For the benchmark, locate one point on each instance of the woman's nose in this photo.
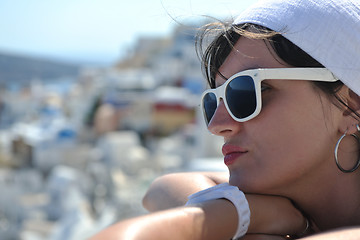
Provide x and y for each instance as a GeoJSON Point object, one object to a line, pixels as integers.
{"type": "Point", "coordinates": [222, 124]}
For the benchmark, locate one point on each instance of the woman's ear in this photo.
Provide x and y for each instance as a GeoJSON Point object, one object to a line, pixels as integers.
{"type": "Point", "coordinates": [352, 111]}
{"type": "Point", "coordinates": [353, 102]}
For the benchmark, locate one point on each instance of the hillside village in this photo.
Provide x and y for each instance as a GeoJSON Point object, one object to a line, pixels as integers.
{"type": "Point", "coordinates": [78, 149]}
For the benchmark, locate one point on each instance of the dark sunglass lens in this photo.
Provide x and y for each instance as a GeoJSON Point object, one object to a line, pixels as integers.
{"type": "Point", "coordinates": [241, 96]}
{"type": "Point", "coordinates": [210, 105]}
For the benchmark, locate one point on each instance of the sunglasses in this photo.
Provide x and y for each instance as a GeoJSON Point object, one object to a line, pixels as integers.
{"type": "Point", "coordinates": [241, 93]}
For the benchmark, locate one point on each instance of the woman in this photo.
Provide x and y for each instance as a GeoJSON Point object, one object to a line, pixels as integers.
{"type": "Point", "coordinates": [285, 79]}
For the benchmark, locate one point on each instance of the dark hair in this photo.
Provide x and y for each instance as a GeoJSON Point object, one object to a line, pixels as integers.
{"type": "Point", "coordinates": [214, 54]}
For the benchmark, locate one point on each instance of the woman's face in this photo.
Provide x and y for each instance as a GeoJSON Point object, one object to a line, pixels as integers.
{"type": "Point", "coordinates": [289, 142]}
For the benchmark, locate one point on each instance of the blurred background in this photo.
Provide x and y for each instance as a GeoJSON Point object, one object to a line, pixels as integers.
{"type": "Point", "coordinates": [97, 99]}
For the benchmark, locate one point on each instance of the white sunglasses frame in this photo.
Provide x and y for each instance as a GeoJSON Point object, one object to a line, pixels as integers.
{"type": "Point", "coordinates": [260, 74]}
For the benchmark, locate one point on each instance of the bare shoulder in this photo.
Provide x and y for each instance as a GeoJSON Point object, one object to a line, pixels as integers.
{"type": "Point", "coordinates": [172, 190]}
{"type": "Point", "coordinates": [216, 177]}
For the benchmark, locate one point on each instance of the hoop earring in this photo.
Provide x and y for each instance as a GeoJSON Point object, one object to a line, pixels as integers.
{"type": "Point", "coordinates": [336, 155]}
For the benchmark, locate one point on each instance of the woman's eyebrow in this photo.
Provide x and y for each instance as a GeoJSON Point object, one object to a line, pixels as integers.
{"type": "Point", "coordinates": [250, 68]}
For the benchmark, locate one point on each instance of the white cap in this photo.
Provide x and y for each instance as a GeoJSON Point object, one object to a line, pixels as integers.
{"type": "Point", "coordinates": [328, 30]}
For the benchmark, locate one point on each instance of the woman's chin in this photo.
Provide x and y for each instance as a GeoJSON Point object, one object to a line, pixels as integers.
{"type": "Point", "coordinates": [247, 185]}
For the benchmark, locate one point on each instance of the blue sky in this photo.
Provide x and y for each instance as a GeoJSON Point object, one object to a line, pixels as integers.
{"type": "Point", "coordinates": [96, 30]}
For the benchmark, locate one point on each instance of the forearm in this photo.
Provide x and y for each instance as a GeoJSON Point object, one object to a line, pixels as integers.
{"type": "Point", "coordinates": [171, 190]}
{"type": "Point", "coordinates": [348, 234]}
{"type": "Point", "coordinates": [213, 219]}
{"type": "Point", "coordinates": [216, 219]}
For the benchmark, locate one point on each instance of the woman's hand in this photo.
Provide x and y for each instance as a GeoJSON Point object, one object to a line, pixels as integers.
{"type": "Point", "coordinates": [262, 237]}
{"type": "Point", "coordinates": [274, 215]}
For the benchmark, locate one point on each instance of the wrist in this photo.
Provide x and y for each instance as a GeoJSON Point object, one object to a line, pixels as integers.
{"type": "Point", "coordinates": [216, 219]}
{"type": "Point", "coordinates": [232, 194]}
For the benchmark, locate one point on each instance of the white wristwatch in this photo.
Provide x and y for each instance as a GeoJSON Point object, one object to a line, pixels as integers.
{"type": "Point", "coordinates": [234, 195]}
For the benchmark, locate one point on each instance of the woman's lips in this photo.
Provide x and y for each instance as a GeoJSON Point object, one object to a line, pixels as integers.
{"type": "Point", "coordinates": [232, 153]}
